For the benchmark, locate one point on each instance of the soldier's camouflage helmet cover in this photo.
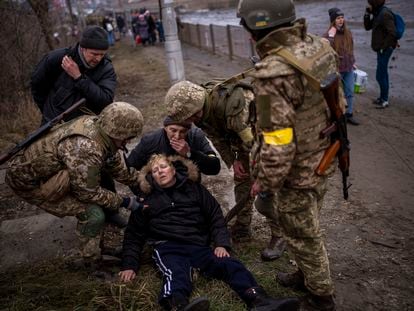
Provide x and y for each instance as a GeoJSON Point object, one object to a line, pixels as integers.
{"type": "Point", "coordinates": [262, 14]}
{"type": "Point", "coordinates": [121, 121]}
{"type": "Point", "coordinates": [184, 99]}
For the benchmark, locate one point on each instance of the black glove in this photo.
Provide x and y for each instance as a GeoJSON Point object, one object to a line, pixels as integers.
{"type": "Point", "coordinates": [132, 204]}
{"type": "Point", "coordinates": [265, 195]}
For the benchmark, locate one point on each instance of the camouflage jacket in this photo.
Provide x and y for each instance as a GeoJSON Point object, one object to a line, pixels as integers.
{"type": "Point", "coordinates": [225, 119]}
{"type": "Point", "coordinates": [289, 113]}
{"type": "Point", "coordinates": [80, 147]}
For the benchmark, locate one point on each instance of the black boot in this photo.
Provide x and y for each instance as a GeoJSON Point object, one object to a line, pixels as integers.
{"type": "Point", "coordinates": [198, 304]}
{"type": "Point", "coordinates": [350, 119]}
{"type": "Point", "coordinates": [274, 250]}
{"type": "Point", "coordinates": [313, 302]}
{"type": "Point", "coordinates": [295, 280]}
{"type": "Point", "coordinates": [257, 299]}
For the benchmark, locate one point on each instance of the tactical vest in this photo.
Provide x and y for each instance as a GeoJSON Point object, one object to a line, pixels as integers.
{"type": "Point", "coordinates": [319, 60]}
{"type": "Point", "coordinates": [42, 154]}
{"type": "Point", "coordinates": [312, 114]}
{"type": "Point", "coordinates": [223, 101]}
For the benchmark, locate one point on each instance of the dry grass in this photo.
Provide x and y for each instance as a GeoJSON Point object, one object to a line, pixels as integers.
{"type": "Point", "coordinates": [53, 286]}
{"type": "Point", "coordinates": [17, 121]}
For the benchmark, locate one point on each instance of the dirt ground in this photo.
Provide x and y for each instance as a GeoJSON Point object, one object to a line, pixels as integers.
{"type": "Point", "coordinates": [369, 238]}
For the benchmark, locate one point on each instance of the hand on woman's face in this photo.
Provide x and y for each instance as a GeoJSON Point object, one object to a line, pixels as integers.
{"type": "Point", "coordinates": [163, 173]}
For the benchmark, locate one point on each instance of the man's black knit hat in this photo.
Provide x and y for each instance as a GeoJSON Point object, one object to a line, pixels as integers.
{"type": "Point", "coordinates": [170, 121]}
{"type": "Point", "coordinates": [94, 37]}
{"type": "Point", "coordinates": [334, 13]}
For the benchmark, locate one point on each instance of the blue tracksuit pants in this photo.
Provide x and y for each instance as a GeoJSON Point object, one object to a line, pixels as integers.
{"type": "Point", "coordinates": [175, 261]}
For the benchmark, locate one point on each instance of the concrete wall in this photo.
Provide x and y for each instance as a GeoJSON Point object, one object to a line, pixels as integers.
{"type": "Point", "coordinates": [189, 5]}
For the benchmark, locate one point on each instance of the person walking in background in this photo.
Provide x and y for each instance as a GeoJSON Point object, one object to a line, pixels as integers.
{"type": "Point", "coordinates": [342, 42]}
{"type": "Point", "coordinates": [142, 26]}
{"type": "Point", "coordinates": [151, 28]}
{"type": "Point", "coordinates": [160, 30]}
{"type": "Point", "coordinates": [120, 23]}
{"type": "Point", "coordinates": [109, 27]}
{"type": "Point", "coordinates": [380, 20]}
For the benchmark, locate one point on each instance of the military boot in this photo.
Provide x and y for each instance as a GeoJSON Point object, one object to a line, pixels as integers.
{"type": "Point", "coordinates": [313, 302]}
{"type": "Point", "coordinates": [274, 249]}
{"type": "Point", "coordinates": [295, 280]}
{"type": "Point", "coordinates": [257, 299]}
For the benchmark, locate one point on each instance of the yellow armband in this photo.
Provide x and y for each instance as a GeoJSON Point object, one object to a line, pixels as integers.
{"type": "Point", "coordinates": [246, 135]}
{"type": "Point", "coordinates": [279, 137]}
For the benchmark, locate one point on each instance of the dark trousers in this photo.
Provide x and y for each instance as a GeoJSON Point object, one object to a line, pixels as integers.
{"type": "Point", "coordinates": [383, 59]}
{"type": "Point", "coordinates": [176, 260]}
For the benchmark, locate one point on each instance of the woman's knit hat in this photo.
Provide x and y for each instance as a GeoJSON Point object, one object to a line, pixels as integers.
{"type": "Point", "coordinates": [334, 13]}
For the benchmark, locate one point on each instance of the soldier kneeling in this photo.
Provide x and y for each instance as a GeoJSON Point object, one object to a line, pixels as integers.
{"type": "Point", "coordinates": [60, 172]}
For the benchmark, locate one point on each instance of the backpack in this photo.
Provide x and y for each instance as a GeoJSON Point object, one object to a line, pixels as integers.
{"type": "Point", "coordinates": [399, 24]}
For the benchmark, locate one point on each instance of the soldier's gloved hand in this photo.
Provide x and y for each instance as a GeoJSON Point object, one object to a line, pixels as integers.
{"type": "Point", "coordinates": [132, 204]}
{"type": "Point", "coordinates": [265, 195]}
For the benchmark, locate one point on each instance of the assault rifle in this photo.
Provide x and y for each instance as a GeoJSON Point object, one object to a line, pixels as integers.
{"type": "Point", "coordinates": [337, 131]}
{"type": "Point", "coordinates": [40, 132]}
{"type": "Point", "coordinates": [237, 208]}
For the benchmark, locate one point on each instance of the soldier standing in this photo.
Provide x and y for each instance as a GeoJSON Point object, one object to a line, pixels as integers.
{"type": "Point", "coordinates": [60, 172]}
{"type": "Point", "coordinates": [290, 114]}
{"type": "Point", "coordinates": [221, 110]}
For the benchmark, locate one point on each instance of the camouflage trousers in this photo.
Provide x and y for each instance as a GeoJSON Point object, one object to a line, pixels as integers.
{"type": "Point", "coordinates": [54, 197]}
{"type": "Point", "coordinates": [242, 194]}
{"type": "Point", "coordinates": [299, 218]}
{"type": "Point", "coordinates": [268, 208]}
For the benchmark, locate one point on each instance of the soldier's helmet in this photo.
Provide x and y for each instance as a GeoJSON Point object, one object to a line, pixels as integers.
{"type": "Point", "coordinates": [184, 99]}
{"type": "Point", "coordinates": [263, 14]}
{"type": "Point", "coordinates": [121, 121]}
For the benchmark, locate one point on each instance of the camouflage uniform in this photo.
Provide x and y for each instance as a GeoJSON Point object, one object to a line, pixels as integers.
{"type": "Point", "coordinates": [60, 173]}
{"type": "Point", "coordinates": [225, 121]}
{"type": "Point", "coordinates": [290, 115]}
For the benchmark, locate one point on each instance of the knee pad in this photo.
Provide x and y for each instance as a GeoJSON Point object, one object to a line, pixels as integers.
{"type": "Point", "coordinates": [92, 221]}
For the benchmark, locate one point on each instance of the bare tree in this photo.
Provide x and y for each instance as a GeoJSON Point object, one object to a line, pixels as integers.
{"type": "Point", "coordinates": [72, 17]}
{"type": "Point", "coordinates": [41, 9]}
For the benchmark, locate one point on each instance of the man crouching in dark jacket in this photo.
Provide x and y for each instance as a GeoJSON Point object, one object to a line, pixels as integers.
{"type": "Point", "coordinates": [180, 219]}
{"type": "Point", "coordinates": [65, 75]}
